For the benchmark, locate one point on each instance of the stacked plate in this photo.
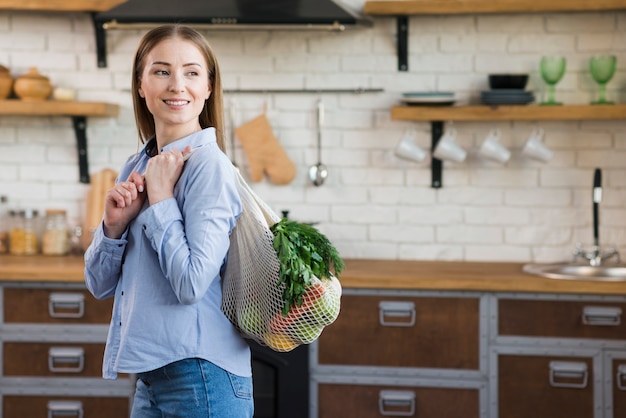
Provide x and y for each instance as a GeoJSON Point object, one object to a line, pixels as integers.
{"type": "Point", "coordinates": [506, 97]}
{"type": "Point", "coordinates": [422, 98]}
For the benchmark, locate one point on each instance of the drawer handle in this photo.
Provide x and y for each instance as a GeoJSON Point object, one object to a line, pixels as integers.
{"type": "Point", "coordinates": [602, 315]}
{"type": "Point", "coordinates": [621, 377]}
{"type": "Point", "coordinates": [396, 314]}
{"type": "Point", "coordinates": [66, 305]}
{"type": "Point", "coordinates": [396, 403]}
{"type": "Point", "coordinates": [65, 409]}
{"type": "Point", "coordinates": [66, 359]}
{"type": "Point", "coordinates": [568, 374]}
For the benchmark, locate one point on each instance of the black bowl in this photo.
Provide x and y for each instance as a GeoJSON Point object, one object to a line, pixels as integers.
{"type": "Point", "coordinates": [508, 81]}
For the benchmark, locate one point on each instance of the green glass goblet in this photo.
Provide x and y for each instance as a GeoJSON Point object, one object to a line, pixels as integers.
{"type": "Point", "coordinates": [552, 70]}
{"type": "Point", "coordinates": [602, 68]}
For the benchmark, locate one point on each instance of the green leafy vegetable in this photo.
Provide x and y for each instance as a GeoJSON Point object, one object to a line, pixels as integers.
{"type": "Point", "coordinates": [303, 252]}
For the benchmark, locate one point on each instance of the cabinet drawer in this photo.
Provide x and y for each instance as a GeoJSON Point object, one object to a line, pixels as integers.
{"type": "Point", "coordinates": [537, 386]}
{"type": "Point", "coordinates": [54, 306]}
{"type": "Point", "coordinates": [63, 406]}
{"type": "Point", "coordinates": [561, 319]}
{"type": "Point", "coordinates": [618, 374]}
{"type": "Point", "coordinates": [365, 401]}
{"type": "Point", "coordinates": [437, 332]}
{"type": "Point", "coordinates": [52, 359]}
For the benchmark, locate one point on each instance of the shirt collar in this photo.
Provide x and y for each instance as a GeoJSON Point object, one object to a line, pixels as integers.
{"type": "Point", "coordinates": [195, 140]}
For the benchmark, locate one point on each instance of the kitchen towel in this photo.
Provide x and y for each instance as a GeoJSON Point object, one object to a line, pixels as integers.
{"type": "Point", "coordinates": [265, 154]}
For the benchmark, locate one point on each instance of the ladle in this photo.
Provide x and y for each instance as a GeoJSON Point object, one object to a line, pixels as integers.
{"type": "Point", "coordinates": [318, 172]}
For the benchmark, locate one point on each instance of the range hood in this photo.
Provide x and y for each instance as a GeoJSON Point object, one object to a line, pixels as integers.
{"type": "Point", "coordinates": [226, 15]}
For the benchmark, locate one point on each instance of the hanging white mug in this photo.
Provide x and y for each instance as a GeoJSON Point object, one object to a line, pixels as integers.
{"type": "Point", "coordinates": [493, 149]}
{"type": "Point", "coordinates": [408, 149]}
{"type": "Point", "coordinates": [448, 149]}
{"type": "Point", "coordinates": [535, 148]}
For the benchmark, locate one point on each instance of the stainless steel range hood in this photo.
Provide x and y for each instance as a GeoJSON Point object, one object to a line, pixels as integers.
{"type": "Point", "coordinates": [226, 15]}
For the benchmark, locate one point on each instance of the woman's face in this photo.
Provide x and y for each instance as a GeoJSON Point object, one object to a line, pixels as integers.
{"type": "Point", "coordinates": [175, 85]}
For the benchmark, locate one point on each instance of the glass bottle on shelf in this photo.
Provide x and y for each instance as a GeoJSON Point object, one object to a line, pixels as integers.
{"type": "Point", "coordinates": [55, 239]}
{"type": "Point", "coordinates": [4, 225]}
{"type": "Point", "coordinates": [23, 238]}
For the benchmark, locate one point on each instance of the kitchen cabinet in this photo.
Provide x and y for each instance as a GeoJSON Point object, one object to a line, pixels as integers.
{"type": "Point", "coordinates": [78, 111]}
{"type": "Point", "coordinates": [401, 353]}
{"type": "Point", "coordinates": [401, 9]}
{"type": "Point", "coordinates": [52, 338]}
{"type": "Point", "coordinates": [563, 352]}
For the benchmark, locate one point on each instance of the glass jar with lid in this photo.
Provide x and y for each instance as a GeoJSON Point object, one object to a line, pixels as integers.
{"type": "Point", "coordinates": [23, 238]}
{"type": "Point", "coordinates": [56, 238]}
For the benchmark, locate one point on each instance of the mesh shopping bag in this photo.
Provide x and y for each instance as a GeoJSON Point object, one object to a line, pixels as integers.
{"type": "Point", "coordinates": [252, 294]}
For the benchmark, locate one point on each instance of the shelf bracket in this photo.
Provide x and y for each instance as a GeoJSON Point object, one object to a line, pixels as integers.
{"type": "Point", "coordinates": [101, 42]}
{"type": "Point", "coordinates": [402, 23]}
{"type": "Point", "coordinates": [80, 129]}
{"type": "Point", "coordinates": [436, 165]}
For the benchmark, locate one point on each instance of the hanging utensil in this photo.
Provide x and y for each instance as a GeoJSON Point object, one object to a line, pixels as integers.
{"type": "Point", "coordinates": [318, 172]}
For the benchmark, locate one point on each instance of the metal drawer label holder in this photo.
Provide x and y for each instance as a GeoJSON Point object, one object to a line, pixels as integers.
{"type": "Point", "coordinates": [396, 403]}
{"type": "Point", "coordinates": [396, 314]}
{"type": "Point", "coordinates": [621, 377]}
{"type": "Point", "coordinates": [602, 315]}
{"type": "Point", "coordinates": [66, 305]}
{"type": "Point", "coordinates": [66, 359]}
{"type": "Point", "coordinates": [65, 409]}
{"type": "Point", "coordinates": [568, 374]}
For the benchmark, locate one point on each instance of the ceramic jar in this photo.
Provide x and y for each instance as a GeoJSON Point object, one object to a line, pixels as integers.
{"type": "Point", "coordinates": [6, 82]}
{"type": "Point", "coordinates": [32, 86]}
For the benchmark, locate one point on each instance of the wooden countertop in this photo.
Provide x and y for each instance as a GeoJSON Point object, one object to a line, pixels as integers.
{"type": "Point", "coordinates": [367, 274]}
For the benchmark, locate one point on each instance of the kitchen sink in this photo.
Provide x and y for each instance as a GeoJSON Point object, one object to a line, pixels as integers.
{"type": "Point", "coordinates": [573, 271]}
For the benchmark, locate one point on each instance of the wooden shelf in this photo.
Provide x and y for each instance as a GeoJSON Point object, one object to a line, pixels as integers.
{"type": "Point", "coordinates": [61, 5]}
{"type": "Point", "coordinates": [78, 111]}
{"type": "Point", "coordinates": [56, 108]}
{"type": "Point", "coordinates": [414, 7]}
{"type": "Point", "coordinates": [489, 113]}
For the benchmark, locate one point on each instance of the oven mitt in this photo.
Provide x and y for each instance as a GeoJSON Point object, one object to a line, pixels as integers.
{"type": "Point", "coordinates": [265, 155]}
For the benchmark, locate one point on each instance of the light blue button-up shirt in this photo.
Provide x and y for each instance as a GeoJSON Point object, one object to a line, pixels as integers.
{"type": "Point", "coordinates": [165, 270]}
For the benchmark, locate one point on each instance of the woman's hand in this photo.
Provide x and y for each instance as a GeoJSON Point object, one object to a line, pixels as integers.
{"type": "Point", "coordinates": [162, 173]}
{"type": "Point", "coordinates": [123, 203]}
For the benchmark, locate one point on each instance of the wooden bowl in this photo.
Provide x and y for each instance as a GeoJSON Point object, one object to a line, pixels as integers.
{"type": "Point", "coordinates": [32, 86]}
{"type": "Point", "coordinates": [6, 82]}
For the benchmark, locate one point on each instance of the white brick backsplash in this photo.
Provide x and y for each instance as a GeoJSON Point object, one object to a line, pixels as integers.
{"type": "Point", "coordinates": [497, 253]}
{"type": "Point", "coordinates": [530, 235]}
{"type": "Point", "coordinates": [469, 234]}
{"type": "Point", "coordinates": [373, 204]}
{"type": "Point", "coordinates": [497, 216]}
{"type": "Point", "coordinates": [401, 233]}
{"type": "Point", "coordinates": [573, 22]}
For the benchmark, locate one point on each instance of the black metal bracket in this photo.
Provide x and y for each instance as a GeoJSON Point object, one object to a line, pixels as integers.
{"type": "Point", "coordinates": [80, 129]}
{"type": "Point", "coordinates": [436, 165]}
{"type": "Point", "coordinates": [402, 23]}
{"type": "Point", "coordinates": [101, 42]}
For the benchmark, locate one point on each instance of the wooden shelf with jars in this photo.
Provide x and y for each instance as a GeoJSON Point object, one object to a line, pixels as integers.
{"type": "Point", "coordinates": [78, 111]}
{"type": "Point", "coordinates": [61, 5]}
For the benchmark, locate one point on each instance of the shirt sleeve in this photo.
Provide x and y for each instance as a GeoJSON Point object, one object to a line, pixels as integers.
{"type": "Point", "coordinates": [191, 232]}
{"type": "Point", "coordinates": [103, 263]}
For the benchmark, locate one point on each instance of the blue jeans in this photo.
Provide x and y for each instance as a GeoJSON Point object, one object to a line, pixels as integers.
{"type": "Point", "coordinates": [192, 388]}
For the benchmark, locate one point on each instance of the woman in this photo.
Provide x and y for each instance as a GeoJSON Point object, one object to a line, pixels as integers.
{"type": "Point", "coordinates": [164, 239]}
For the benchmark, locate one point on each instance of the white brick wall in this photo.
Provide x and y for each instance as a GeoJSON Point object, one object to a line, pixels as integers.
{"type": "Point", "coordinates": [373, 204]}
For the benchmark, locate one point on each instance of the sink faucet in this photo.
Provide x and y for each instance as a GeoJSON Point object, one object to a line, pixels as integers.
{"type": "Point", "coordinates": [596, 256]}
